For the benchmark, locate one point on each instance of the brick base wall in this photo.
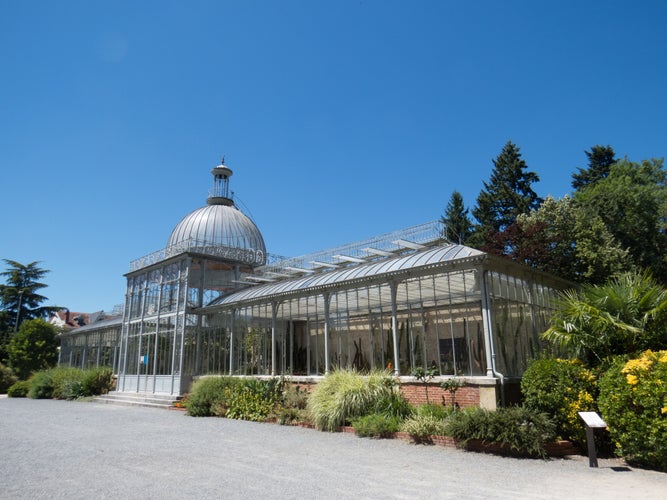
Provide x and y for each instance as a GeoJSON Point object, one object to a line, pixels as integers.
{"type": "Point", "coordinates": [415, 393]}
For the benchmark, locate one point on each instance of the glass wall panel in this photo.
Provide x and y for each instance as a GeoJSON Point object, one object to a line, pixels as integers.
{"type": "Point", "coordinates": [520, 311]}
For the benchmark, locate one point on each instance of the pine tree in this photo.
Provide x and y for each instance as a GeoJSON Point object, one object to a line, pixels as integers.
{"type": "Point", "coordinates": [457, 224]}
{"type": "Point", "coordinates": [600, 160]}
{"type": "Point", "coordinates": [507, 194]}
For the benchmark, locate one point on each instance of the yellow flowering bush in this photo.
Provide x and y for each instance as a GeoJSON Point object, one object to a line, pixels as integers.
{"type": "Point", "coordinates": [561, 388]}
{"type": "Point", "coordinates": [633, 402]}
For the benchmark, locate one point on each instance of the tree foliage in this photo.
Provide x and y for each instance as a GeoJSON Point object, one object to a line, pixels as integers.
{"type": "Point", "coordinates": [563, 238]}
{"type": "Point", "coordinates": [625, 315]}
{"type": "Point", "coordinates": [458, 226]}
{"type": "Point", "coordinates": [600, 160]}
{"type": "Point", "coordinates": [632, 202]}
{"type": "Point", "coordinates": [507, 194]}
{"type": "Point", "coordinates": [20, 296]}
{"type": "Point", "coordinates": [33, 348]}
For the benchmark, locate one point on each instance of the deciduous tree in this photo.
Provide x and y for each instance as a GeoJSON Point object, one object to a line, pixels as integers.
{"type": "Point", "coordinates": [632, 202]}
{"type": "Point", "coordinates": [564, 239]}
{"type": "Point", "coordinates": [33, 348]}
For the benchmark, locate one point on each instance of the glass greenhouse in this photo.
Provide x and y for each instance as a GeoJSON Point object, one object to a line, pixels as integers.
{"type": "Point", "coordinates": [214, 302]}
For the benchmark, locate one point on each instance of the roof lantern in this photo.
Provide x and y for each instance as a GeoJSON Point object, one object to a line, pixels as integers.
{"type": "Point", "coordinates": [220, 193]}
{"type": "Point", "coordinates": [220, 228]}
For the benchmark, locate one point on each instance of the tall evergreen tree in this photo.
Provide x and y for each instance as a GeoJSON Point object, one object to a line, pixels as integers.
{"type": "Point", "coordinates": [457, 224]}
{"type": "Point", "coordinates": [600, 160]}
{"type": "Point", "coordinates": [507, 194]}
{"type": "Point", "coordinates": [19, 297]}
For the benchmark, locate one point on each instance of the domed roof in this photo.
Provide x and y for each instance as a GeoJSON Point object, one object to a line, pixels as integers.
{"type": "Point", "coordinates": [220, 228]}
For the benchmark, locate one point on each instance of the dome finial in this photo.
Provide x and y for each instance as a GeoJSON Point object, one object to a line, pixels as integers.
{"type": "Point", "coordinates": [220, 193]}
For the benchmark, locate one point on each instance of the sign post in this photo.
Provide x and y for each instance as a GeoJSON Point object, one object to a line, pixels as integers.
{"type": "Point", "coordinates": [593, 421]}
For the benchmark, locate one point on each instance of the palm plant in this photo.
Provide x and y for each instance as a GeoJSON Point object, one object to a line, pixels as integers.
{"type": "Point", "coordinates": [625, 315]}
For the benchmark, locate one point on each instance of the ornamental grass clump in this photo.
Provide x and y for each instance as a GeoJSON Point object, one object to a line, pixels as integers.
{"type": "Point", "coordinates": [344, 395]}
{"type": "Point", "coordinates": [425, 421]}
{"type": "Point", "coordinates": [633, 403]}
{"type": "Point", "coordinates": [422, 425]}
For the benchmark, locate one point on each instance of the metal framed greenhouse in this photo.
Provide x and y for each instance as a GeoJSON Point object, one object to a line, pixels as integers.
{"type": "Point", "coordinates": [214, 302]}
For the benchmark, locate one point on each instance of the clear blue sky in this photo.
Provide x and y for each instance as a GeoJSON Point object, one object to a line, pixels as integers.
{"type": "Point", "coordinates": [341, 119]}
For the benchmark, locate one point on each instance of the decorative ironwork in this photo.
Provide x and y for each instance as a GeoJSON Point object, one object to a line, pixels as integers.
{"type": "Point", "coordinates": [250, 256]}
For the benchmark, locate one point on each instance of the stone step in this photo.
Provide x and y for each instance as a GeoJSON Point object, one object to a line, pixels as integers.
{"type": "Point", "coordinates": [138, 399]}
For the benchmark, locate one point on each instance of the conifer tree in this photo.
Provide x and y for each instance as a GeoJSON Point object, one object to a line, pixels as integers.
{"type": "Point", "coordinates": [507, 194]}
{"type": "Point", "coordinates": [19, 297]}
{"type": "Point", "coordinates": [457, 224]}
{"type": "Point", "coordinates": [600, 160]}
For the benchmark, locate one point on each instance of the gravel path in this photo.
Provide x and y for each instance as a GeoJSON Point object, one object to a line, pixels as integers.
{"type": "Point", "coordinates": [58, 449]}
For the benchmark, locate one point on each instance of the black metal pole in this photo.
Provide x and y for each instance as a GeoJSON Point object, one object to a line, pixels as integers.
{"type": "Point", "coordinates": [592, 455]}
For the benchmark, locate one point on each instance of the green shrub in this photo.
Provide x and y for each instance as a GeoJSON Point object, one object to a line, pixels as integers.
{"type": "Point", "coordinates": [207, 393]}
{"type": "Point", "coordinates": [243, 399]}
{"type": "Point", "coordinates": [519, 428]}
{"type": "Point", "coordinates": [97, 381]}
{"type": "Point", "coordinates": [434, 410]}
{"type": "Point", "coordinates": [376, 425]}
{"type": "Point", "coordinates": [252, 399]}
{"type": "Point", "coordinates": [394, 404]}
{"type": "Point", "coordinates": [633, 403]}
{"type": "Point", "coordinates": [7, 378]}
{"type": "Point", "coordinates": [71, 383]}
{"type": "Point", "coordinates": [421, 426]}
{"type": "Point", "coordinates": [19, 389]}
{"type": "Point", "coordinates": [41, 385]}
{"type": "Point", "coordinates": [286, 415]}
{"type": "Point", "coordinates": [294, 397]}
{"type": "Point", "coordinates": [344, 395]}
{"type": "Point", "coordinates": [561, 388]}
{"type": "Point", "coordinates": [292, 406]}
{"type": "Point", "coordinates": [34, 347]}
{"type": "Point", "coordinates": [62, 381]}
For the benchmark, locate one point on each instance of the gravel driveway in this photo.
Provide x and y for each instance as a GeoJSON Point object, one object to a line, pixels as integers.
{"type": "Point", "coordinates": [59, 449]}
